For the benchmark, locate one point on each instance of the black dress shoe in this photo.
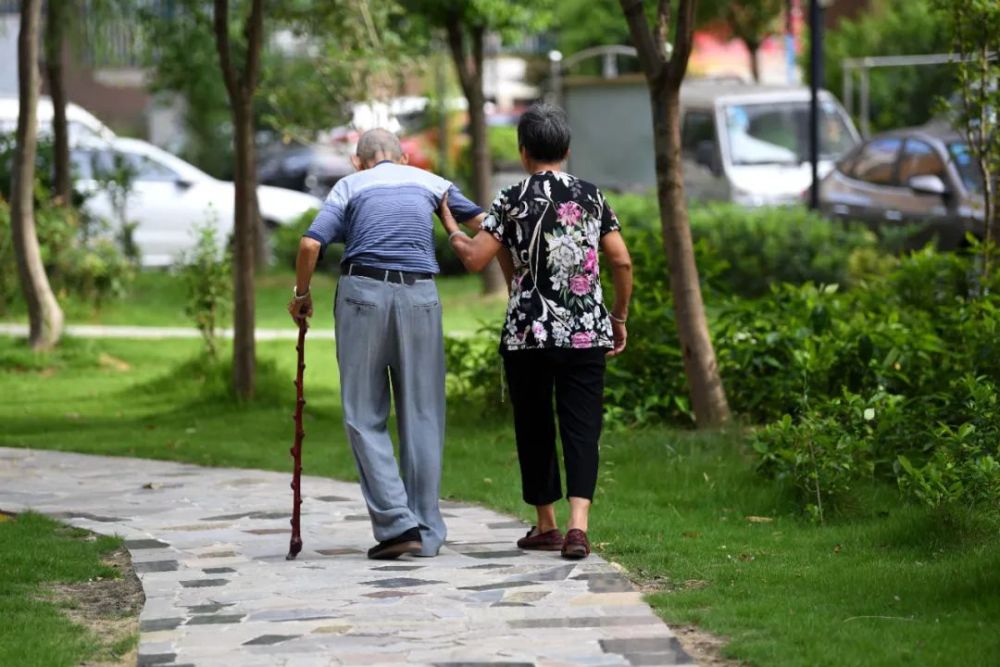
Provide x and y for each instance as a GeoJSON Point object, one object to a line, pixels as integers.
{"type": "Point", "coordinates": [407, 543]}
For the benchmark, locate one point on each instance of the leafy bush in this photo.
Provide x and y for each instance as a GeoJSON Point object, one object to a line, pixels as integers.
{"type": "Point", "coordinates": [91, 271]}
{"type": "Point", "coordinates": [206, 271]}
{"type": "Point", "coordinates": [82, 257]}
{"type": "Point", "coordinates": [504, 148]}
{"type": "Point", "coordinates": [910, 354]}
{"type": "Point", "coordinates": [203, 379]}
{"type": "Point", "coordinates": [743, 251]}
{"type": "Point", "coordinates": [962, 457]}
{"type": "Point", "coordinates": [475, 370]}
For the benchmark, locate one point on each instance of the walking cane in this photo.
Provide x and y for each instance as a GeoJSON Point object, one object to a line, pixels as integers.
{"type": "Point", "coordinates": [295, 546]}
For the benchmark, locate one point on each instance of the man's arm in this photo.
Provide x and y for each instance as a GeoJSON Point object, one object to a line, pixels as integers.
{"type": "Point", "coordinates": [301, 306]}
{"type": "Point", "coordinates": [475, 252]}
{"type": "Point", "coordinates": [326, 228]}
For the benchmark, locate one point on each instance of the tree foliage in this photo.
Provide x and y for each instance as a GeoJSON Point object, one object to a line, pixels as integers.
{"type": "Point", "coordinates": [900, 96]}
{"type": "Point", "coordinates": [320, 55]}
{"type": "Point", "coordinates": [976, 37]}
{"type": "Point", "coordinates": [751, 22]}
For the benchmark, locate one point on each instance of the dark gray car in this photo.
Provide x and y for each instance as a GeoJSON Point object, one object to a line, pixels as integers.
{"type": "Point", "coordinates": [923, 177]}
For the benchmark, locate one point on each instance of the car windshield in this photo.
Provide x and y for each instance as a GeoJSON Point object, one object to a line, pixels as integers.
{"type": "Point", "coordinates": [778, 132]}
{"type": "Point", "coordinates": [966, 165]}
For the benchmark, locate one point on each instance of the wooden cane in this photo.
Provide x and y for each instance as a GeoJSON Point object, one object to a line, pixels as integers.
{"type": "Point", "coordinates": [295, 546]}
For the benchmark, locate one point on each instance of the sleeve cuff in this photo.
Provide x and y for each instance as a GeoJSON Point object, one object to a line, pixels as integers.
{"type": "Point", "coordinates": [310, 234]}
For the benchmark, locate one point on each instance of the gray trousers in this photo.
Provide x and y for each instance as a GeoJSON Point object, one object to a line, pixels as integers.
{"type": "Point", "coordinates": [389, 336]}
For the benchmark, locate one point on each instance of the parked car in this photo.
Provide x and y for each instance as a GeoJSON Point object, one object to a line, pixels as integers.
{"type": "Point", "coordinates": [169, 197]}
{"type": "Point", "coordinates": [312, 168]}
{"type": "Point", "coordinates": [921, 176]}
{"type": "Point", "coordinates": [750, 144]}
{"type": "Point", "coordinates": [743, 143]}
{"type": "Point", "coordinates": [81, 123]}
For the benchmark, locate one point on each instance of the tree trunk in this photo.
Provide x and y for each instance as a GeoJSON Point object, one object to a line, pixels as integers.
{"type": "Point", "coordinates": [471, 78]}
{"type": "Point", "coordinates": [55, 30]}
{"type": "Point", "coordinates": [708, 398]}
{"type": "Point", "coordinates": [244, 253]}
{"type": "Point", "coordinates": [753, 48]}
{"type": "Point", "coordinates": [482, 174]}
{"type": "Point", "coordinates": [240, 85]}
{"type": "Point", "coordinates": [44, 314]}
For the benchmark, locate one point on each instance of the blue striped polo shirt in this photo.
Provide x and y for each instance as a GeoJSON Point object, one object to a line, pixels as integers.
{"type": "Point", "coordinates": [384, 216]}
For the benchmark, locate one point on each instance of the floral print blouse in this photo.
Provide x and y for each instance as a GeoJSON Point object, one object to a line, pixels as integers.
{"type": "Point", "coordinates": [552, 223]}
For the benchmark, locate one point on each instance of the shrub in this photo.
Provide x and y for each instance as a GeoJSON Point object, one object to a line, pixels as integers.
{"type": "Point", "coordinates": [206, 271]}
{"type": "Point", "coordinates": [475, 370]}
{"type": "Point", "coordinates": [743, 251]}
{"type": "Point", "coordinates": [962, 457]}
{"type": "Point", "coordinates": [82, 257]}
{"type": "Point", "coordinates": [91, 270]}
{"type": "Point", "coordinates": [206, 380]}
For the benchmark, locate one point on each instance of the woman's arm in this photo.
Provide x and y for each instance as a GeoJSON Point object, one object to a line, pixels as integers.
{"type": "Point", "coordinates": [475, 252]}
{"type": "Point", "coordinates": [615, 251]}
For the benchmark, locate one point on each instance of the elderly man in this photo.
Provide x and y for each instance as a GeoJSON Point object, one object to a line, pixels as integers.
{"type": "Point", "coordinates": [388, 328]}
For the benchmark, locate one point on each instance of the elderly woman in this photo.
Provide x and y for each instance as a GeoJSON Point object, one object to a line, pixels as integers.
{"type": "Point", "coordinates": [547, 231]}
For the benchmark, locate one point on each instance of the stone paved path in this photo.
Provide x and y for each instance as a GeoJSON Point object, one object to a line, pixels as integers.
{"type": "Point", "coordinates": [209, 545]}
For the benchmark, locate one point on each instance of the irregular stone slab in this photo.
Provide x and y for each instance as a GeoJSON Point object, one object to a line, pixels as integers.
{"type": "Point", "coordinates": [218, 595]}
{"type": "Point", "coordinates": [132, 545]}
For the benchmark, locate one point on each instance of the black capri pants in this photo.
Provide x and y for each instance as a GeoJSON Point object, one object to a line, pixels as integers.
{"type": "Point", "coordinates": [577, 378]}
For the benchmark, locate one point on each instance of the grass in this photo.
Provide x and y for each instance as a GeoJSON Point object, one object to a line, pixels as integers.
{"type": "Point", "coordinates": [36, 551]}
{"type": "Point", "coordinates": [885, 583]}
{"type": "Point", "coordinates": [157, 298]}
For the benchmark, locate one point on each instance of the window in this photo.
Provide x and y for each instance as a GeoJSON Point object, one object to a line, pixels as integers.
{"type": "Point", "coordinates": [90, 164]}
{"type": "Point", "coordinates": [698, 127]}
{"type": "Point", "coordinates": [145, 169]}
{"type": "Point", "coordinates": [919, 159]}
{"type": "Point", "coordinates": [876, 162]}
{"type": "Point", "coordinates": [778, 132]}
{"type": "Point", "coordinates": [967, 168]}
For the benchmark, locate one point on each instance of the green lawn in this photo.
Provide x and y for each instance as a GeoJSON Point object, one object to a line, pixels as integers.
{"type": "Point", "coordinates": [885, 583]}
{"type": "Point", "coordinates": [157, 298]}
{"type": "Point", "coordinates": [36, 551]}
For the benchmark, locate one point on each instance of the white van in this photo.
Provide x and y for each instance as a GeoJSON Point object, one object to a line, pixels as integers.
{"type": "Point", "coordinates": [744, 143]}
{"type": "Point", "coordinates": [81, 123]}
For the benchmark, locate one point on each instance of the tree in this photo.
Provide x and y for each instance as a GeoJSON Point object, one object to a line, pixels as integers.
{"type": "Point", "coordinates": [466, 24]}
{"type": "Point", "coordinates": [183, 60]}
{"type": "Point", "coordinates": [241, 83]}
{"type": "Point", "coordinates": [976, 38]}
{"type": "Point", "coordinates": [56, 17]}
{"type": "Point", "coordinates": [664, 76]}
{"type": "Point", "coordinates": [44, 315]}
{"type": "Point", "coordinates": [752, 22]}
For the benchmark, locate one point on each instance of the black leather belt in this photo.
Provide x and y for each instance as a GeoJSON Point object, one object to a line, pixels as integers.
{"type": "Point", "coordinates": [386, 275]}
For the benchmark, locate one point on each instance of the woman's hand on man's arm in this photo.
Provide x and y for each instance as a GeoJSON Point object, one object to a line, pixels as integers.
{"type": "Point", "coordinates": [476, 252]}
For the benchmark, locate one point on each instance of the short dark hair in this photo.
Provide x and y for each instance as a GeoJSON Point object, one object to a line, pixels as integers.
{"type": "Point", "coordinates": [543, 132]}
